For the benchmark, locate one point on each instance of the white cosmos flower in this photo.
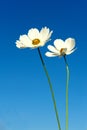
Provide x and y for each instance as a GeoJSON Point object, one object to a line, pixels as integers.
{"type": "Point", "coordinates": [61, 47]}
{"type": "Point", "coordinates": [35, 38]}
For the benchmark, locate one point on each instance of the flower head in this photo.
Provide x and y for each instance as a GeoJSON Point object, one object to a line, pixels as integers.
{"type": "Point", "coordinates": [35, 38]}
{"type": "Point", "coordinates": [61, 47]}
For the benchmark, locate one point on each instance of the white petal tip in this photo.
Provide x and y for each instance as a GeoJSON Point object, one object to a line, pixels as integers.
{"type": "Point", "coordinates": [50, 54]}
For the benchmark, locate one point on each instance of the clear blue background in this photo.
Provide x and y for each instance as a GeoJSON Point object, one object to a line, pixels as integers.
{"type": "Point", "coordinates": [25, 98]}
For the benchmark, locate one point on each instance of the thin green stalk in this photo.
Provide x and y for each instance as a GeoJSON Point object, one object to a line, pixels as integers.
{"type": "Point", "coordinates": [67, 85]}
{"type": "Point", "coordinates": [51, 89]}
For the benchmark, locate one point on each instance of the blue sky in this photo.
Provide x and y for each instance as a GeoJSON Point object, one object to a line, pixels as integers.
{"type": "Point", "coordinates": [25, 99]}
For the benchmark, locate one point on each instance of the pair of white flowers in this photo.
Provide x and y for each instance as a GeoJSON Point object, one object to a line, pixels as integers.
{"type": "Point", "coordinates": [36, 38]}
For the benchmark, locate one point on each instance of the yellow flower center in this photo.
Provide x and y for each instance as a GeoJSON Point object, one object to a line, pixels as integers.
{"type": "Point", "coordinates": [35, 41]}
{"type": "Point", "coordinates": [63, 51]}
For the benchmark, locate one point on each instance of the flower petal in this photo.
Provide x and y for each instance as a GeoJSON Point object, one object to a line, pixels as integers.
{"type": "Point", "coordinates": [33, 33]}
{"type": "Point", "coordinates": [69, 52]}
{"type": "Point", "coordinates": [52, 49]}
{"type": "Point", "coordinates": [45, 34]}
{"type": "Point", "coordinates": [50, 54]}
{"type": "Point", "coordinates": [19, 44]}
{"type": "Point", "coordinates": [49, 35]}
{"type": "Point", "coordinates": [25, 41]}
{"type": "Point", "coordinates": [58, 43]}
{"type": "Point", "coordinates": [70, 43]}
{"type": "Point", "coordinates": [44, 31]}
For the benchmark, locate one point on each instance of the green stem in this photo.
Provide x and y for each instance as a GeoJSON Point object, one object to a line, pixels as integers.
{"type": "Point", "coordinates": [51, 89]}
{"type": "Point", "coordinates": [67, 84]}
